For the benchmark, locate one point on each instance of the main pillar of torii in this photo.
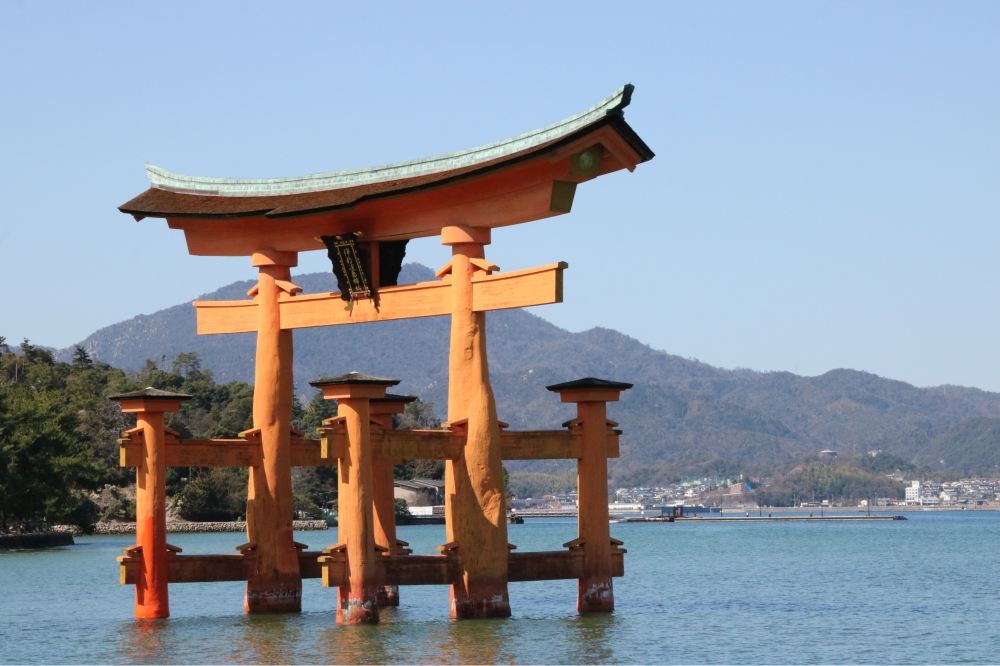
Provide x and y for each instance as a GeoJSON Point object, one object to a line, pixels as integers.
{"type": "Point", "coordinates": [473, 483]}
{"type": "Point", "coordinates": [460, 196]}
{"type": "Point", "coordinates": [276, 585]}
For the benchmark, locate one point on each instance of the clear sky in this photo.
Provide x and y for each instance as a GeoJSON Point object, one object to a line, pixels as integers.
{"type": "Point", "coordinates": [825, 193]}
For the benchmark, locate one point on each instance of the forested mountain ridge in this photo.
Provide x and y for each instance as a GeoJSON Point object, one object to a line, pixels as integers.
{"type": "Point", "coordinates": [681, 415]}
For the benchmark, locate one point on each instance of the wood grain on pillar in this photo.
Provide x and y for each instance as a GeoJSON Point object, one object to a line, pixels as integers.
{"type": "Point", "coordinates": [476, 511]}
{"type": "Point", "coordinates": [276, 585]}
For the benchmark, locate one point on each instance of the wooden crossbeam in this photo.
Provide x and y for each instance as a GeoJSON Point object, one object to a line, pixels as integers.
{"type": "Point", "coordinates": [386, 444]}
{"type": "Point", "coordinates": [212, 568]}
{"type": "Point", "coordinates": [515, 289]}
{"type": "Point", "coordinates": [309, 452]}
{"type": "Point", "coordinates": [232, 452]}
{"type": "Point", "coordinates": [391, 569]}
{"type": "Point", "coordinates": [547, 444]}
{"type": "Point", "coordinates": [417, 444]}
{"type": "Point", "coordinates": [197, 453]}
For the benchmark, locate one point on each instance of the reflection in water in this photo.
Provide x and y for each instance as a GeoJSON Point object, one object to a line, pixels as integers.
{"type": "Point", "coordinates": [591, 638]}
{"type": "Point", "coordinates": [144, 641]}
{"type": "Point", "coordinates": [359, 644]}
{"type": "Point", "coordinates": [476, 641]}
{"type": "Point", "coordinates": [267, 638]}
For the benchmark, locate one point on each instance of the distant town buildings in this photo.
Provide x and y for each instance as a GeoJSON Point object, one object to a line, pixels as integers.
{"type": "Point", "coordinates": [726, 492]}
{"type": "Point", "coordinates": [419, 492]}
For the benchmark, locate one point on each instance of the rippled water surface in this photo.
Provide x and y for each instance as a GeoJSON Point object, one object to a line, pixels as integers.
{"type": "Point", "coordinates": [925, 590]}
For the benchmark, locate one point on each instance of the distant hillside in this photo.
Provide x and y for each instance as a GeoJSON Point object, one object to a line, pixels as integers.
{"type": "Point", "coordinates": [680, 411]}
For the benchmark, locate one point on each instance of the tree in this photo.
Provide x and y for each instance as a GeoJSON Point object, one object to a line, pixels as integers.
{"type": "Point", "coordinates": [218, 494]}
{"type": "Point", "coordinates": [44, 462]}
{"type": "Point", "coordinates": [187, 362]}
{"type": "Point", "coordinates": [311, 416]}
{"type": "Point", "coordinates": [418, 415]}
{"type": "Point", "coordinates": [81, 359]}
{"type": "Point", "coordinates": [401, 511]}
{"type": "Point", "coordinates": [304, 505]}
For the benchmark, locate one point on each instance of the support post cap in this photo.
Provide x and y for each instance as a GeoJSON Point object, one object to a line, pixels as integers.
{"type": "Point", "coordinates": [589, 389]}
{"type": "Point", "coordinates": [150, 399]}
{"type": "Point", "coordinates": [354, 385]}
{"type": "Point", "coordinates": [271, 257]}
{"type": "Point", "coordinates": [461, 233]}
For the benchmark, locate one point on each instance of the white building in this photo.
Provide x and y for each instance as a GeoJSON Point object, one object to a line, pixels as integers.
{"type": "Point", "coordinates": [913, 493]}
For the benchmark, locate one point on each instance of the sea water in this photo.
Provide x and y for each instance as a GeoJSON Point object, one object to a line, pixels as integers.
{"type": "Point", "coordinates": [924, 590]}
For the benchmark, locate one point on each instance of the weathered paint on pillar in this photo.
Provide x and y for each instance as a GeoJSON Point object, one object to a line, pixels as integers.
{"type": "Point", "coordinates": [151, 593]}
{"type": "Point", "coordinates": [357, 603]}
{"type": "Point", "coordinates": [276, 585]}
{"type": "Point", "coordinates": [595, 593]}
{"type": "Point", "coordinates": [475, 507]}
{"type": "Point", "coordinates": [151, 596]}
{"type": "Point", "coordinates": [382, 410]}
{"type": "Point", "coordinates": [385, 511]}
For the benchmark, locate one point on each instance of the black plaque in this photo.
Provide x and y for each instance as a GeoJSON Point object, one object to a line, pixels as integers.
{"type": "Point", "coordinates": [347, 266]}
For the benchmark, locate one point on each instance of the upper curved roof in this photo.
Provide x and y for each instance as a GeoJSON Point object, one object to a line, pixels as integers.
{"type": "Point", "coordinates": [244, 187]}
{"type": "Point", "coordinates": [178, 195]}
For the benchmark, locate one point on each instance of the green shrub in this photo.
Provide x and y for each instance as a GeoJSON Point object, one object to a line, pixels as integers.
{"type": "Point", "coordinates": [217, 495]}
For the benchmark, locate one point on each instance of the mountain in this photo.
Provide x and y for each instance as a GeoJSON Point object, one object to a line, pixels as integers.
{"type": "Point", "coordinates": [681, 411]}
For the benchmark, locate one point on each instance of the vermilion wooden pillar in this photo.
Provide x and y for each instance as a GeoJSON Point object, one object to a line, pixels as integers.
{"type": "Point", "coordinates": [474, 497]}
{"type": "Point", "coordinates": [149, 405]}
{"type": "Point", "coordinates": [381, 410]}
{"type": "Point", "coordinates": [276, 585]}
{"type": "Point", "coordinates": [594, 591]}
{"type": "Point", "coordinates": [358, 602]}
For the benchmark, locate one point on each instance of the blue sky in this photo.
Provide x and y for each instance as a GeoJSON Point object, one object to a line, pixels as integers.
{"type": "Point", "coordinates": [825, 193]}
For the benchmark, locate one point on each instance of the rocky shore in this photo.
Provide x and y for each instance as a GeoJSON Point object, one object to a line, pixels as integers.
{"type": "Point", "coordinates": [35, 540]}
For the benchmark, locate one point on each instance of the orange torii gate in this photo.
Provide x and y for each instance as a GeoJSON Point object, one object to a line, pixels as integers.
{"type": "Point", "coordinates": [363, 218]}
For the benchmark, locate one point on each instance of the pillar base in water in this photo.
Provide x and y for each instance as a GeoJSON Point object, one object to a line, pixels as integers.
{"type": "Point", "coordinates": [388, 595]}
{"type": "Point", "coordinates": [357, 608]}
{"type": "Point", "coordinates": [483, 601]}
{"type": "Point", "coordinates": [273, 594]}
{"type": "Point", "coordinates": [151, 610]}
{"type": "Point", "coordinates": [595, 596]}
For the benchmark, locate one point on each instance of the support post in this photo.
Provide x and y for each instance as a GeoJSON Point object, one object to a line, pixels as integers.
{"type": "Point", "coordinates": [276, 585]}
{"type": "Point", "coordinates": [595, 593]}
{"type": "Point", "coordinates": [382, 410]}
{"type": "Point", "coordinates": [474, 498]}
{"type": "Point", "coordinates": [149, 405]}
{"type": "Point", "coordinates": [357, 603]}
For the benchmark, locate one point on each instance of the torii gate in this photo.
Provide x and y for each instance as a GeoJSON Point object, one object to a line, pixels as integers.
{"type": "Point", "coordinates": [461, 197]}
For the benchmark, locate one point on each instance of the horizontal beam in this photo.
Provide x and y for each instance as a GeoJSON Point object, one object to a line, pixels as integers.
{"type": "Point", "coordinates": [417, 444]}
{"type": "Point", "coordinates": [232, 452]}
{"type": "Point", "coordinates": [309, 452]}
{"type": "Point", "coordinates": [542, 285]}
{"type": "Point", "coordinates": [547, 444]}
{"type": "Point", "coordinates": [390, 569]}
{"type": "Point", "coordinates": [197, 453]}
{"type": "Point", "coordinates": [212, 568]}
{"type": "Point", "coordinates": [387, 444]}
{"type": "Point", "coordinates": [516, 289]}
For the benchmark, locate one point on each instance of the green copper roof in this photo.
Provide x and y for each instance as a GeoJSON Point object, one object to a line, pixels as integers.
{"type": "Point", "coordinates": [243, 187]}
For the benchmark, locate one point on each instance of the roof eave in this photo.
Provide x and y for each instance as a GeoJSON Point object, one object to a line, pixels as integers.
{"type": "Point", "coordinates": [613, 119]}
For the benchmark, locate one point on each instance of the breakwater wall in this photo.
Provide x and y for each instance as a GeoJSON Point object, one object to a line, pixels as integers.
{"type": "Point", "coordinates": [35, 540]}
{"type": "Point", "coordinates": [176, 528]}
